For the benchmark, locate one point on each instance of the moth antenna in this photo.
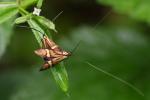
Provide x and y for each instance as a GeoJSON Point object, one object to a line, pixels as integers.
{"type": "Point", "coordinates": [75, 48]}
{"type": "Point", "coordinates": [57, 16]}
{"type": "Point", "coordinates": [31, 28]}
{"type": "Point", "coordinates": [103, 18]}
{"type": "Point", "coordinates": [117, 78]}
{"type": "Point", "coordinates": [100, 21]}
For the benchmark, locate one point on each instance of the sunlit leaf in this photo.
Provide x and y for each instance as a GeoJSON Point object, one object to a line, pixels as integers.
{"type": "Point", "coordinates": [26, 3]}
{"type": "Point", "coordinates": [5, 34]}
{"type": "Point", "coordinates": [39, 4]}
{"type": "Point", "coordinates": [38, 34]}
{"type": "Point", "coordinates": [22, 19]}
{"type": "Point", "coordinates": [61, 77]}
{"type": "Point", "coordinates": [7, 10]}
{"type": "Point", "coordinates": [46, 22]}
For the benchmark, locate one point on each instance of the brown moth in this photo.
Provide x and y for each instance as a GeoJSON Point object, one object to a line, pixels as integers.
{"type": "Point", "coordinates": [51, 53]}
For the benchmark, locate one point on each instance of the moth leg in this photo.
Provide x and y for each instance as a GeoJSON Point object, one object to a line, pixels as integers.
{"type": "Point", "coordinates": [46, 65]}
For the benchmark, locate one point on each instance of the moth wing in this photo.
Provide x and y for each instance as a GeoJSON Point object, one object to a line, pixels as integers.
{"type": "Point", "coordinates": [49, 43]}
{"type": "Point", "coordinates": [58, 59]}
{"type": "Point", "coordinates": [44, 44]}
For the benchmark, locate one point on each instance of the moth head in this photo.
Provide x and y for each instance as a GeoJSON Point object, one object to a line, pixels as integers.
{"type": "Point", "coordinates": [66, 53]}
{"type": "Point", "coordinates": [40, 52]}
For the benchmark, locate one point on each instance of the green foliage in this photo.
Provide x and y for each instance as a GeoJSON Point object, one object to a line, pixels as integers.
{"type": "Point", "coordinates": [10, 9]}
{"type": "Point", "coordinates": [5, 34]}
{"type": "Point", "coordinates": [39, 4]}
{"type": "Point", "coordinates": [46, 22]}
{"type": "Point", "coordinates": [34, 24]}
{"type": "Point", "coordinates": [22, 19]}
{"type": "Point", "coordinates": [7, 11]}
{"type": "Point", "coordinates": [61, 76]}
{"type": "Point", "coordinates": [138, 9]}
{"type": "Point", "coordinates": [39, 25]}
{"type": "Point", "coordinates": [26, 3]}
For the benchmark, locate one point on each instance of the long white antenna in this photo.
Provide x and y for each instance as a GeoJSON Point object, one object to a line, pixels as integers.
{"type": "Point", "coordinates": [57, 16]}
{"type": "Point", "coordinates": [103, 18]}
{"type": "Point", "coordinates": [117, 78]}
{"type": "Point", "coordinates": [76, 46]}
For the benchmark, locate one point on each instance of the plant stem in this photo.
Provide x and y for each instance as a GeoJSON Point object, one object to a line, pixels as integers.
{"type": "Point", "coordinates": [39, 4]}
{"type": "Point", "coordinates": [23, 11]}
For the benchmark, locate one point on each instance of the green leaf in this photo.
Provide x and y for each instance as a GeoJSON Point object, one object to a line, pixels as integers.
{"type": "Point", "coordinates": [22, 19]}
{"type": "Point", "coordinates": [5, 34]}
{"type": "Point", "coordinates": [138, 9]}
{"type": "Point", "coordinates": [61, 76]}
{"type": "Point", "coordinates": [7, 10]}
{"type": "Point", "coordinates": [39, 4]}
{"type": "Point", "coordinates": [59, 71]}
{"type": "Point", "coordinates": [46, 22]}
{"type": "Point", "coordinates": [26, 3]}
{"type": "Point", "coordinates": [38, 35]}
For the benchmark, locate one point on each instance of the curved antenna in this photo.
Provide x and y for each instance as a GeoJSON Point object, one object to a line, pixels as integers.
{"type": "Point", "coordinates": [57, 16]}
{"type": "Point", "coordinates": [75, 48]}
{"type": "Point", "coordinates": [103, 18]}
{"type": "Point", "coordinates": [31, 28]}
{"type": "Point", "coordinates": [117, 78]}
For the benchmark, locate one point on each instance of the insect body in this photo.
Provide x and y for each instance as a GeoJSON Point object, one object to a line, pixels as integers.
{"type": "Point", "coordinates": [51, 53]}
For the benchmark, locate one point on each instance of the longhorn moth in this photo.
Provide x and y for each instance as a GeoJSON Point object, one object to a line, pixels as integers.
{"type": "Point", "coordinates": [51, 53]}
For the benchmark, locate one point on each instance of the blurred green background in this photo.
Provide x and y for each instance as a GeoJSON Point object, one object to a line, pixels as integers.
{"type": "Point", "coordinates": [114, 36]}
